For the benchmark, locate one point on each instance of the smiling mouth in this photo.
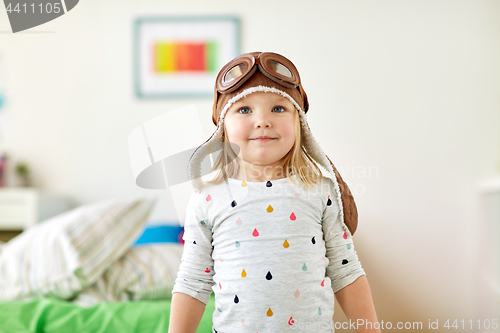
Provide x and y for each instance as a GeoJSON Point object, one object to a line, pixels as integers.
{"type": "Point", "coordinates": [263, 139]}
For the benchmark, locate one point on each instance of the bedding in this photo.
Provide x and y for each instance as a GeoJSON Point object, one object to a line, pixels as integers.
{"type": "Point", "coordinates": [55, 316]}
{"type": "Point", "coordinates": [67, 253]}
{"type": "Point", "coordinates": [97, 268]}
{"type": "Point", "coordinates": [143, 273]}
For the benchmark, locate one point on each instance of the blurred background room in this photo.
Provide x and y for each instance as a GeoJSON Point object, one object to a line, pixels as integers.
{"type": "Point", "coordinates": [404, 98]}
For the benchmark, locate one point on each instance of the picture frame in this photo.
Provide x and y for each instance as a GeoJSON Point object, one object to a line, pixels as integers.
{"type": "Point", "coordinates": [180, 56]}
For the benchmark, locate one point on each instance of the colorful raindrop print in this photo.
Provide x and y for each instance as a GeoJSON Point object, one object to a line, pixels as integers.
{"type": "Point", "coordinates": [293, 217]}
{"type": "Point", "coordinates": [239, 221]}
{"type": "Point", "coordinates": [345, 235]}
{"type": "Point", "coordinates": [348, 246]}
{"type": "Point", "coordinates": [243, 183]}
{"type": "Point", "coordinates": [243, 322]}
{"type": "Point", "coordinates": [233, 203]}
{"type": "Point", "coordinates": [270, 209]}
{"type": "Point", "coordinates": [221, 261]}
{"type": "Point", "coordinates": [237, 244]}
{"type": "Point", "coordinates": [285, 244]}
{"type": "Point", "coordinates": [344, 262]}
{"type": "Point", "coordinates": [269, 313]}
{"type": "Point", "coordinates": [269, 276]}
{"type": "Point", "coordinates": [255, 233]}
{"type": "Point", "coordinates": [218, 309]}
{"type": "Point", "coordinates": [269, 184]}
{"type": "Point", "coordinates": [236, 299]}
{"type": "Point", "coordinates": [203, 223]}
{"type": "Point", "coordinates": [319, 311]}
{"type": "Point", "coordinates": [297, 293]}
{"type": "Point", "coordinates": [243, 273]}
{"type": "Point", "coordinates": [291, 321]}
{"type": "Point", "coordinates": [304, 268]}
{"type": "Point", "coordinates": [207, 270]}
{"type": "Point", "coordinates": [208, 198]}
{"type": "Point", "coordinates": [296, 194]}
{"type": "Point", "coordinates": [220, 287]}
{"type": "Point", "coordinates": [323, 283]}
{"type": "Point", "coordinates": [313, 240]}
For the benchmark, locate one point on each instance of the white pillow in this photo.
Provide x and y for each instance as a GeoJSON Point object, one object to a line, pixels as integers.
{"type": "Point", "coordinates": [144, 272]}
{"type": "Point", "coordinates": [63, 255]}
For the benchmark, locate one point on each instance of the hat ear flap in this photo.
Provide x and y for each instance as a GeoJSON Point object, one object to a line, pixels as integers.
{"type": "Point", "coordinates": [348, 204]}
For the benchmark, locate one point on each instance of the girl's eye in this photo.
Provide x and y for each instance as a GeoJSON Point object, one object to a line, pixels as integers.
{"type": "Point", "coordinates": [244, 110]}
{"type": "Point", "coordinates": [279, 109]}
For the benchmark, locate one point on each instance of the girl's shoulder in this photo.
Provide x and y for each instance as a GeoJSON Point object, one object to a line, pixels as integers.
{"type": "Point", "coordinates": [323, 184]}
{"type": "Point", "coordinates": [203, 194]}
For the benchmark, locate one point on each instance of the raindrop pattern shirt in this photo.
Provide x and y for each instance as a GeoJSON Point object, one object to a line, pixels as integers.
{"type": "Point", "coordinates": [273, 253]}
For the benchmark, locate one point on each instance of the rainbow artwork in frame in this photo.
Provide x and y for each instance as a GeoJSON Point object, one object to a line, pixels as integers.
{"type": "Point", "coordinates": [178, 57]}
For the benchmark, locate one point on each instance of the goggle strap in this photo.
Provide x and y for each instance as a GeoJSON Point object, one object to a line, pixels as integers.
{"type": "Point", "coordinates": [304, 97]}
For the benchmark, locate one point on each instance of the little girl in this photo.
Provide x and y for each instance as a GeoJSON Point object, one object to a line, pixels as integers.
{"type": "Point", "coordinates": [269, 234]}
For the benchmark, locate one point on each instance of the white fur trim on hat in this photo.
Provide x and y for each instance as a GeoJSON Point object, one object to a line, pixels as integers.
{"type": "Point", "coordinates": [310, 144]}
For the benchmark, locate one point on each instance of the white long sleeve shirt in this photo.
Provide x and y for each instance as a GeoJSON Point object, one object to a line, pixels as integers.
{"type": "Point", "coordinates": [273, 253]}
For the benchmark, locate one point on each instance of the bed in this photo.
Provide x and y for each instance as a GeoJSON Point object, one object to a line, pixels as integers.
{"type": "Point", "coordinates": [85, 271]}
{"type": "Point", "coordinates": [50, 315]}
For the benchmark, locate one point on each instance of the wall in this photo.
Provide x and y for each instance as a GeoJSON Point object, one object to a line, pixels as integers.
{"type": "Point", "coordinates": [404, 99]}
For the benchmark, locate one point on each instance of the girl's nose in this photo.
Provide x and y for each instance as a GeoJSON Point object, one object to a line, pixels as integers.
{"type": "Point", "coordinates": [262, 120]}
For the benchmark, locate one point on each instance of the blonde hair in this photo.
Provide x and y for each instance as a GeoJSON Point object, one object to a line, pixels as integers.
{"type": "Point", "coordinates": [297, 161]}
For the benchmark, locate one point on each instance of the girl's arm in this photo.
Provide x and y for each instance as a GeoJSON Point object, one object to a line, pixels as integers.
{"type": "Point", "coordinates": [185, 313]}
{"type": "Point", "coordinates": [356, 301]}
{"type": "Point", "coordinates": [193, 285]}
{"type": "Point", "coordinates": [348, 278]}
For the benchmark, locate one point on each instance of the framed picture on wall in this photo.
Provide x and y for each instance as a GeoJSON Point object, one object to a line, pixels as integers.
{"type": "Point", "coordinates": [179, 57]}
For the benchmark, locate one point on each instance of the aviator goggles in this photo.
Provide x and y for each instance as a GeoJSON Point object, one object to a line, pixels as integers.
{"type": "Point", "coordinates": [274, 66]}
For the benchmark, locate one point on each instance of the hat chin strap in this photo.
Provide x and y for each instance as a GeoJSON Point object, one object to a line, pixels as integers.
{"type": "Point", "coordinates": [310, 144]}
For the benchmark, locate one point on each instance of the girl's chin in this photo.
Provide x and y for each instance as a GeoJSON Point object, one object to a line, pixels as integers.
{"type": "Point", "coordinates": [260, 162]}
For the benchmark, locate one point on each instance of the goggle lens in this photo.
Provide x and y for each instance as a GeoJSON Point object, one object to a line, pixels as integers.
{"type": "Point", "coordinates": [279, 68]}
{"type": "Point", "coordinates": [234, 73]}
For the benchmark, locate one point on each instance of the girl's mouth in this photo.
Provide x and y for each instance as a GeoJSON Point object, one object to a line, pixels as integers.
{"type": "Point", "coordinates": [263, 139]}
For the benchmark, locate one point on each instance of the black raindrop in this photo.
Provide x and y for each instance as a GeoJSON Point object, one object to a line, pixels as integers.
{"type": "Point", "coordinates": [344, 261]}
{"type": "Point", "coordinates": [236, 299]}
{"type": "Point", "coordinates": [233, 204]}
{"type": "Point", "coordinates": [269, 184]}
{"type": "Point", "coordinates": [269, 276]}
{"type": "Point", "coordinates": [329, 202]}
{"type": "Point", "coordinates": [194, 242]}
{"type": "Point", "coordinates": [313, 240]}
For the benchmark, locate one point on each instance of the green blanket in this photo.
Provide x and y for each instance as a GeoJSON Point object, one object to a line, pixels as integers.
{"type": "Point", "coordinates": [56, 316]}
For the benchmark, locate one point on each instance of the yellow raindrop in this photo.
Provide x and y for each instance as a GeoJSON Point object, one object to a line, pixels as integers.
{"type": "Point", "coordinates": [269, 313]}
{"type": "Point", "coordinates": [243, 273]}
{"type": "Point", "coordinates": [270, 209]}
{"type": "Point", "coordinates": [285, 244]}
{"type": "Point", "coordinates": [243, 183]}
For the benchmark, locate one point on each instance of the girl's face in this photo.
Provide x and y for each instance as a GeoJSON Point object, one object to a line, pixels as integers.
{"type": "Point", "coordinates": [263, 126]}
